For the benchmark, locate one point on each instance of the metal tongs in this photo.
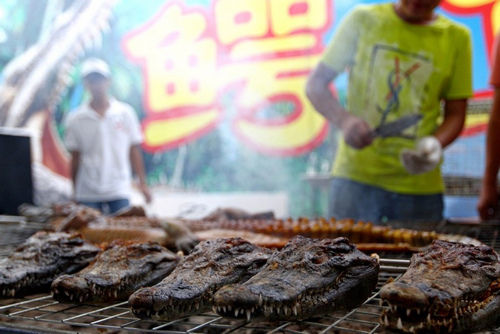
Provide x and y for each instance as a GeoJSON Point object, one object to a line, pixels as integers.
{"type": "Point", "coordinates": [397, 127]}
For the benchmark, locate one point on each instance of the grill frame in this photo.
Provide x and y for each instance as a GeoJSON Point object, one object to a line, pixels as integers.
{"type": "Point", "coordinates": [35, 311]}
{"type": "Point", "coordinates": [42, 309]}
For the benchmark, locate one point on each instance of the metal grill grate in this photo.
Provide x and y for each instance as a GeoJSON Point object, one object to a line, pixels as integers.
{"type": "Point", "coordinates": [41, 313]}
{"type": "Point", "coordinates": [42, 310]}
{"type": "Point", "coordinates": [13, 231]}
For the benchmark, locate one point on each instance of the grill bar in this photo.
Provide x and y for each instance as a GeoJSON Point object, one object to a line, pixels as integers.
{"type": "Point", "coordinates": [42, 311]}
{"type": "Point", "coordinates": [350, 314]}
{"type": "Point", "coordinates": [95, 311]}
{"type": "Point", "coordinates": [24, 302]}
{"type": "Point", "coordinates": [34, 308]}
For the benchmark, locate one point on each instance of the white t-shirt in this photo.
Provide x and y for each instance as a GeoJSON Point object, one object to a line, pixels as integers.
{"type": "Point", "coordinates": [104, 143]}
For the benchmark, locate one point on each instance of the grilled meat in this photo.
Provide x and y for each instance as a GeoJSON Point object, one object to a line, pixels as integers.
{"type": "Point", "coordinates": [450, 287]}
{"type": "Point", "coordinates": [235, 214]}
{"type": "Point", "coordinates": [190, 287]}
{"type": "Point", "coordinates": [116, 273]}
{"type": "Point", "coordinates": [129, 224]}
{"type": "Point", "coordinates": [260, 239]}
{"type": "Point", "coordinates": [70, 216]}
{"type": "Point", "coordinates": [40, 259]}
{"type": "Point", "coordinates": [306, 278]}
{"type": "Point", "coordinates": [131, 211]}
{"type": "Point", "coordinates": [366, 235]}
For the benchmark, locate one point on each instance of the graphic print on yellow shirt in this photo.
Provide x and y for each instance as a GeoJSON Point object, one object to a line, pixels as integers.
{"type": "Point", "coordinates": [397, 82]}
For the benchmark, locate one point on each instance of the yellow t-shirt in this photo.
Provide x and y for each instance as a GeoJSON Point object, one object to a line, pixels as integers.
{"type": "Point", "coordinates": [397, 69]}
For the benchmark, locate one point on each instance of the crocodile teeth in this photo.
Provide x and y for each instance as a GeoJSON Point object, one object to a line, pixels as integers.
{"type": "Point", "coordinates": [408, 312]}
{"type": "Point", "coordinates": [399, 324]}
{"type": "Point", "coordinates": [386, 320]}
{"type": "Point", "coordinates": [248, 315]}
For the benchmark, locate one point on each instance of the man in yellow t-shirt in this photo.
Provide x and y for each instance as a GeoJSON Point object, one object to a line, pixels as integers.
{"type": "Point", "coordinates": [403, 60]}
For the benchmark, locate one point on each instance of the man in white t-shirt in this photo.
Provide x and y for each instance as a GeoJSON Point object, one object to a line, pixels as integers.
{"type": "Point", "coordinates": [104, 137]}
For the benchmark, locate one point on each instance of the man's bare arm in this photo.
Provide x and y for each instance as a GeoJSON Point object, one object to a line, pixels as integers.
{"type": "Point", "coordinates": [138, 168]}
{"type": "Point", "coordinates": [453, 122]}
{"type": "Point", "coordinates": [318, 92]}
{"type": "Point", "coordinates": [488, 199]}
{"type": "Point", "coordinates": [74, 165]}
{"type": "Point", "coordinates": [357, 133]}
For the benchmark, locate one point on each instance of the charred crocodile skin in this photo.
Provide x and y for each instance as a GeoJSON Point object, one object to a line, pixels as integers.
{"type": "Point", "coordinates": [190, 287]}
{"type": "Point", "coordinates": [448, 288]}
{"type": "Point", "coordinates": [116, 273]}
{"type": "Point", "coordinates": [38, 261]}
{"type": "Point", "coordinates": [306, 278]}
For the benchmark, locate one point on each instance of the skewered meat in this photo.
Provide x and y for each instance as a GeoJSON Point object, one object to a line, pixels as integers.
{"type": "Point", "coordinates": [365, 235]}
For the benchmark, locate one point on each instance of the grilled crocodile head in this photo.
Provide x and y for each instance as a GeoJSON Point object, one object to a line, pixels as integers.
{"type": "Point", "coordinates": [116, 273]}
{"type": "Point", "coordinates": [306, 278]}
{"type": "Point", "coordinates": [190, 287]}
{"type": "Point", "coordinates": [449, 287]}
{"type": "Point", "coordinates": [39, 260]}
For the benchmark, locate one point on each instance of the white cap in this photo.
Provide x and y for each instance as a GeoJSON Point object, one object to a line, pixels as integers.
{"type": "Point", "coordinates": [95, 65]}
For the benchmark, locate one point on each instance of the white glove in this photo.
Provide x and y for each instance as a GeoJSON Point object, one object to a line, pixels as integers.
{"type": "Point", "coordinates": [424, 158]}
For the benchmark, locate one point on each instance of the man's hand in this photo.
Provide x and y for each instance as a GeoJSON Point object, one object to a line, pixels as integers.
{"type": "Point", "coordinates": [424, 158]}
{"type": "Point", "coordinates": [357, 133]}
{"type": "Point", "coordinates": [487, 206]}
{"type": "Point", "coordinates": [146, 192]}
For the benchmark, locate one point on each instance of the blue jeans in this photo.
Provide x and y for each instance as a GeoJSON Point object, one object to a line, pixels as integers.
{"type": "Point", "coordinates": [350, 199]}
{"type": "Point", "coordinates": [108, 207]}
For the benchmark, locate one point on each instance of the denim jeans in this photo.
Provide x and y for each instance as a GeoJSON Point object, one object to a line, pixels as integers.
{"type": "Point", "coordinates": [108, 207]}
{"type": "Point", "coordinates": [351, 199]}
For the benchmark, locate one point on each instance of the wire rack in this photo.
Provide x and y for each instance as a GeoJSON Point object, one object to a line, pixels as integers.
{"type": "Point", "coordinates": [41, 311]}
{"type": "Point", "coordinates": [13, 231]}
